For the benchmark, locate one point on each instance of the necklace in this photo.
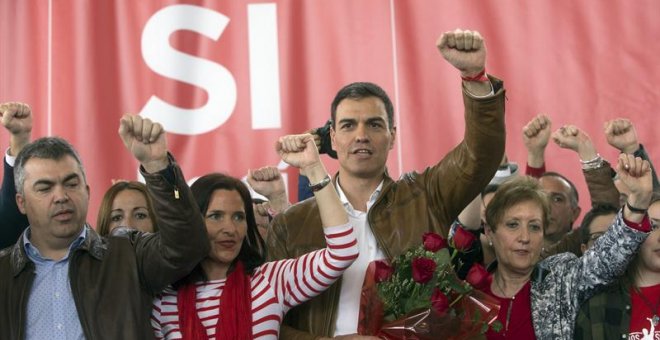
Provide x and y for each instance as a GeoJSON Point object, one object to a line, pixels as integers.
{"type": "Point", "coordinates": [497, 283]}
{"type": "Point", "coordinates": [654, 309]}
{"type": "Point", "coordinates": [508, 310]}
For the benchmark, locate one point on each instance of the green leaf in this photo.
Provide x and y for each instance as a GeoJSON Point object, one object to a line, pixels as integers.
{"type": "Point", "coordinates": [476, 317]}
{"type": "Point", "coordinates": [484, 328]}
{"type": "Point", "coordinates": [496, 326]}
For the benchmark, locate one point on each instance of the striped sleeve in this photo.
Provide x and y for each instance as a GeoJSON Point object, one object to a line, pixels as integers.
{"type": "Point", "coordinates": [155, 318]}
{"type": "Point", "coordinates": [298, 280]}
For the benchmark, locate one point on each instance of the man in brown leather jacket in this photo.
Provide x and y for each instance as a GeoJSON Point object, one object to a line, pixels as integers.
{"type": "Point", "coordinates": [61, 279]}
{"type": "Point", "coordinates": [390, 216]}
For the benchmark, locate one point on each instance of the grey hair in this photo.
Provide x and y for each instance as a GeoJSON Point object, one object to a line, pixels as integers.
{"type": "Point", "coordinates": [54, 148]}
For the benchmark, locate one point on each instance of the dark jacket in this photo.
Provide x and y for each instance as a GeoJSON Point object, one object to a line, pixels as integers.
{"type": "Point", "coordinates": [113, 280]}
{"type": "Point", "coordinates": [405, 209]}
{"type": "Point", "coordinates": [606, 315]}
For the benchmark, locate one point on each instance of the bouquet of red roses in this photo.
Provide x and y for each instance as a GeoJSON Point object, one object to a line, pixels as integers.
{"type": "Point", "coordinates": [419, 296]}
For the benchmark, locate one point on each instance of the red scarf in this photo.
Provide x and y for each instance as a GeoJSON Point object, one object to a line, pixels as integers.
{"type": "Point", "coordinates": [235, 323]}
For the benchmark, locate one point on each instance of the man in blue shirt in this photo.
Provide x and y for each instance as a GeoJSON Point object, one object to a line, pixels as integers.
{"type": "Point", "coordinates": [61, 280]}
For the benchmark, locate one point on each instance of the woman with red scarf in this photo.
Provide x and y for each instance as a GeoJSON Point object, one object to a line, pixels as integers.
{"type": "Point", "coordinates": [233, 294]}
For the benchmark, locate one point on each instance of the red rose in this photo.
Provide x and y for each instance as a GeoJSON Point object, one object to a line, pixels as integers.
{"type": "Point", "coordinates": [423, 269]}
{"type": "Point", "coordinates": [383, 271]}
{"type": "Point", "coordinates": [439, 302]}
{"type": "Point", "coordinates": [463, 239]}
{"type": "Point", "coordinates": [433, 242]}
{"type": "Point", "coordinates": [477, 276]}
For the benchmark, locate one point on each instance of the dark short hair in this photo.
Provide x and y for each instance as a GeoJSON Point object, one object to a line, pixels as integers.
{"type": "Point", "coordinates": [53, 148]}
{"type": "Point", "coordinates": [253, 249]}
{"type": "Point", "coordinates": [517, 190]}
{"type": "Point", "coordinates": [103, 220]}
{"type": "Point", "coordinates": [361, 90]}
{"type": "Point", "coordinates": [596, 210]}
{"type": "Point", "coordinates": [575, 198]}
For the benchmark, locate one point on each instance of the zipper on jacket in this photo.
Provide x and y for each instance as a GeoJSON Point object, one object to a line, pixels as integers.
{"type": "Point", "coordinates": [176, 177]}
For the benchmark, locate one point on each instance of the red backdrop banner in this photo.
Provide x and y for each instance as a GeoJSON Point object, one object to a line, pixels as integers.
{"type": "Point", "coordinates": [227, 78]}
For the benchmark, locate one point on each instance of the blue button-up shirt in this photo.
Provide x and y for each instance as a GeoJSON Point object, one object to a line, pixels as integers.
{"type": "Point", "coordinates": [51, 312]}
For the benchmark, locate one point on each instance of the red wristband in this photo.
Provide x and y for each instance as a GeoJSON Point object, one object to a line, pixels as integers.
{"type": "Point", "coordinates": [481, 76]}
{"type": "Point", "coordinates": [643, 226]}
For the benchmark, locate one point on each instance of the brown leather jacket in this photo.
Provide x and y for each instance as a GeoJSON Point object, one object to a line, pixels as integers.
{"type": "Point", "coordinates": [405, 209]}
{"type": "Point", "coordinates": [113, 280]}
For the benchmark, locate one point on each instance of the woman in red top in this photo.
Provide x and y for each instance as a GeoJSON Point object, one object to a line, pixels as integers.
{"type": "Point", "coordinates": [541, 299]}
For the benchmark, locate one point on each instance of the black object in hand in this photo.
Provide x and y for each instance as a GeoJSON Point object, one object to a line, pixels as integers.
{"type": "Point", "coordinates": [324, 135]}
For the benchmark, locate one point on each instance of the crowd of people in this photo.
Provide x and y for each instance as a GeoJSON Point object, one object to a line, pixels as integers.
{"type": "Point", "coordinates": [213, 261]}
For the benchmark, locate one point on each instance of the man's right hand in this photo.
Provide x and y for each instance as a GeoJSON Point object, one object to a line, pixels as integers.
{"type": "Point", "coordinates": [536, 135]}
{"type": "Point", "coordinates": [17, 119]}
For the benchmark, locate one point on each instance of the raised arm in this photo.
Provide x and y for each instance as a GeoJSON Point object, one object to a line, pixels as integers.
{"type": "Point", "coordinates": [304, 277]}
{"type": "Point", "coordinates": [597, 172]}
{"type": "Point", "coordinates": [268, 181]}
{"type": "Point", "coordinates": [466, 51]}
{"type": "Point", "coordinates": [536, 134]}
{"type": "Point", "coordinates": [301, 152]}
{"type": "Point", "coordinates": [181, 241]}
{"type": "Point", "coordinates": [621, 134]}
{"type": "Point", "coordinates": [461, 175]}
{"type": "Point", "coordinates": [611, 253]}
{"type": "Point", "coordinates": [17, 119]}
{"type": "Point", "coordinates": [598, 175]}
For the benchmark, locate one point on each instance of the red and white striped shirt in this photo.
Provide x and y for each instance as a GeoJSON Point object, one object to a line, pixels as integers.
{"type": "Point", "coordinates": [276, 287]}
